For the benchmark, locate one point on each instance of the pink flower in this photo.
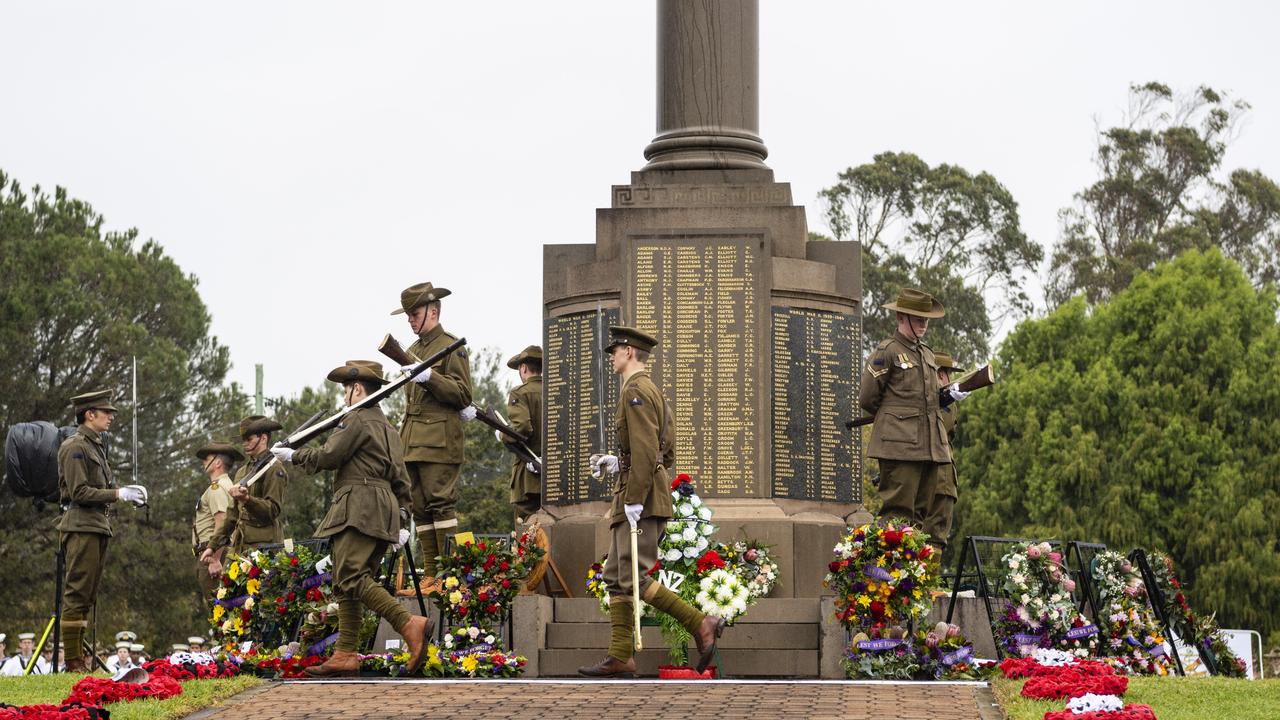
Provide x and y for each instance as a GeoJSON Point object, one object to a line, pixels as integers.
{"type": "Point", "coordinates": [1033, 552]}
{"type": "Point", "coordinates": [1055, 557]}
{"type": "Point", "coordinates": [1069, 585]}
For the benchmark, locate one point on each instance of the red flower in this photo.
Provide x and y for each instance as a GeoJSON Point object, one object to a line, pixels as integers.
{"type": "Point", "coordinates": [292, 596]}
{"type": "Point", "coordinates": [710, 560]}
{"type": "Point", "coordinates": [254, 572]}
{"type": "Point", "coordinates": [877, 608]}
{"type": "Point", "coordinates": [833, 566]}
{"type": "Point", "coordinates": [892, 538]}
{"type": "Point", "coordinates": [480, 547]}
{"type": "Point", "coordinates": [926, 551]}
{"type": "Point", "coordinates": [506, 584]}
{"type": "Point", "coordinates": [493, 609]}
{"type": "Point", "coordinates": [504, 566]}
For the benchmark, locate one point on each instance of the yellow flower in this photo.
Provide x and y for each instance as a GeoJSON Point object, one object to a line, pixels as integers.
{"type": "Point", "coordinates": [233, 570]}
{"type": "Point", "coordinates": [879, 561]}
{"type": "Point", "coordinates": [254, 586]}
{"type": "Point", "coordinates": [433, 656]}
{"type": "Point", "coordinates": [451, 582]}
{"type": "Point", "coordinates": [871, 586]}
{"type": "Point", "coordinates": [916, 593]}
{"type": "Point", "coordinates": [895, 574]}
{"type": "Point", "coordinates": [218, 612]}
{"type": "Point", "coordinates": [864, 601]}
{"type": "Point", "coordinates": [469, 663]}
{"type": "Point", "coordinates": [455, 597]}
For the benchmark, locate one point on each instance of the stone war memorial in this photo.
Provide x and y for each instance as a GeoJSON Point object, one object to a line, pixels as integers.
{"type": "Point", "coordinates": [759, 337]}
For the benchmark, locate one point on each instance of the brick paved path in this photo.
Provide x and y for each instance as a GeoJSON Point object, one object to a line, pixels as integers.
{"type": "Point", "coordinates": [493, 699]}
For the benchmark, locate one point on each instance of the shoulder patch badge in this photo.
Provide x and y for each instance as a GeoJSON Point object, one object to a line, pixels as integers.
{"type": "Point", "coordinates": [635, 402]}
{"type": "Point", "coordinates": [878, 361]}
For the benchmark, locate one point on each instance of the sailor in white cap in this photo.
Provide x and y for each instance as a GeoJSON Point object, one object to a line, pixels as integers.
{"type": "Point", "coordinates": [14, 666]}
{"type": "Point", "coordinates": [121, 660]}
{"type": "Point", "coordinates": [197, 643]}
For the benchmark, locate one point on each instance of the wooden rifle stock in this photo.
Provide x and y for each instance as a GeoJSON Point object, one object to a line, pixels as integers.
{"type": "Point", "coordinates": [394, 350]}
{"type": "Point", "coordinates": [976, 380]}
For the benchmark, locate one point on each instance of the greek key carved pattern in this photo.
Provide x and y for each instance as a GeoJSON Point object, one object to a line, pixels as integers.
{"type": "Point", "coordinates": [627, 196]}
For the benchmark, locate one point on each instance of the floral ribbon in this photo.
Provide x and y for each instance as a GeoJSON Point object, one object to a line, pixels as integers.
{"type": "Point", "coordinates": [883, 644]}
{"type": "Point", "coordinates": [878, 573]}
{"type": "Point", "coordinates": [233, 602]}
{"type": "Point", "coordinates": [1082, 631]}
{"type": "Point", "coordinates": [962, 653]}
{"type": "Point", "coordinates": [320, 647]}
{"type": "Point", "coordinates": [316, 580]}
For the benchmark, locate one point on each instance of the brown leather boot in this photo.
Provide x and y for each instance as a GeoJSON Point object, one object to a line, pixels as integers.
{"type": "Point", "coordinates": [706, 637]}
{"type": "Point", "coordinates": [344, 663]}
{"type": "Point", "coordinates": [611, 667]}
{"type": "Point", "coordinates": [77, 665]}
{"type": "Point", "coordinates": [415, 634]}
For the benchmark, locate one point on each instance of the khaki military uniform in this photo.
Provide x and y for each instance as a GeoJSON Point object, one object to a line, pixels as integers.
{"type": "Point", "coordinates": [256, 520]}
{"type": "Point", "coordinates": [900, 387]}
{"type": "Point", "coordinates": [646, 442]}
{"type": "Point", "coordinates": [215, 499]}
{"type": "Point", "coordinates": [369, 488]}
{"type": "Point", "coordinates": [87, 491]}
{"type": "Point", "coordinates": [940, 509]}
{"type": "Point", "coordinates": [432, 435]}
{"type": "Point", "coordinates": [524, 408]}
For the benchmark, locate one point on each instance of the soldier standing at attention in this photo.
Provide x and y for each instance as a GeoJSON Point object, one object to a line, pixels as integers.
{"type": "Point", "coordinates": [368, 487]}
{"type": "Point", "coordinates": [87, 491]}
{"type": "Point", "coordinates": [642, 500]}
{"type": "Point", "coordinates": [217, 459]}
{"type": "Point", "coordinates": [524, 408]}
{"type": "Point", "coordinates": [254, 516]}
{"type": "Point", "coordinates": [900, 388]}
{"type": "Point", "coordinates": [436, 404]}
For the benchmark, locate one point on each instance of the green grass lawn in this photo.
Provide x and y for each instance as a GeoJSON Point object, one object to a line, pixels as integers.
{"type": "Point", "coordinates": [196, 695]}
{"type": "Point", "coordinates": [1172, 698]}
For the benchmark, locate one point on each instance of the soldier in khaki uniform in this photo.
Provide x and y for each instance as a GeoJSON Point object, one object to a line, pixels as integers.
{"type": "Point", "coordinates": [937, 510]}
{"type": "Point", "coordinates": [436, 404]}
{"type": "Point", "coordinates": [87, 491]}
{"type": "Point", "coordinates": [254, 516]}
{"type": "Point", "coordinates": [642, 500]}
{"type": "Point", "coordinates": [900, 387]}
{"type": "Point", "coordinates": [371, 497]}
{"type": "Point", "coordinates": [524, 408]}
{"type": "Point", "coordinates": [217, 460]}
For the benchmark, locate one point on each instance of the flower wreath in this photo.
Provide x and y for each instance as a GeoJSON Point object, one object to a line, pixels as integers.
{"type": "Point", "coordinates": [750, 560]}
{"type": "Point", "coordinates": [1133, 637]}
{"type": "Point", "coordinates": [882, 575]}
{"type": "Point", "coordinates": [1203, 631]}
{"type": "Point", "coordinates": [1040, 612]}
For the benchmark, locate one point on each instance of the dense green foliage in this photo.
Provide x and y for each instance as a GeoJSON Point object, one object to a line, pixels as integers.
{"type": "Point", "coordinates": [1149, 420]}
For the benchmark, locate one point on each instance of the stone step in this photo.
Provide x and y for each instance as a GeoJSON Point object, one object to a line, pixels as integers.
{"type": "Point", "coordinates": [761, 636]}
{"type": "Point", "coordinates": [767, 610]}
{"type": "Point", "coordinates": [734, 663]}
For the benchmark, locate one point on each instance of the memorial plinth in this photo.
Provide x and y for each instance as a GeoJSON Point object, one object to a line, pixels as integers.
{"type": "Point", "coordinates": [758, 326]}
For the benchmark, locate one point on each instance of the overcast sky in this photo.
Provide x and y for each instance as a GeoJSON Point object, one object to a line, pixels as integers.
{"type": "Point", "coordinates": [308, 160]}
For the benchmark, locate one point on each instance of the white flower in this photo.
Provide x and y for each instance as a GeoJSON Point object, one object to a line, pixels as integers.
{"type": "Point", "coordinates": [702, 544]}
{"type": "Point", "coordinates": [691, 552]}
{"type": "Point", "coordinates": [489, 639]}
{"type": "Point", "coordinates": [672, 555]}
{"type": "Point", "coordinates": [704, 513]}
{"type": "Point", "coordinates": [473, 632]}
{"type": "Point", "coordinates": [1090, 702]}
{"type": "Point", "coordinates": [689, 534]}
{"type": "Point", "coordinates": [685, 510]}
{"type": "Point", "coordinates": [1052, 658]}
{"type": "Point", "coordinates": [331, 608]}
{"type": "Point", "coordinates": [248, 603]}
{"type": "Point", "coordinates": [1019, 579]}
{"type": "Point", "coordinates": [222, 593]}
{"type": "Point", "coordinates": [1026, 599]}
{"type": "Point", "coordinates": [707, 529]}
{"type": "Point", "coordinates": [674, 527]}
{"type": "Point", "coordinates": [695, 501]}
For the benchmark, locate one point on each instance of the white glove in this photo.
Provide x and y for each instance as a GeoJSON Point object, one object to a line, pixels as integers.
{"type": "Point", "coordinates": [956, 393]}
{"type": "Point", "coordinates": [467, 413]}
{"type": "Point", "coordinates": [282, 453]}
{"type": "Point", "coordinates": [404, 538]}
{"type": "Point", "coordinates": [633, 513]}
{"type": "Point", "coordinates": [603, 465]}
{"type": "Point", "coordinates": [498, 434]}
{"type": "Point", "coordinates": [135, 494]}
{"type": "Point", "coordinates": [421, 378]}
{"type": "Point", "coordinates": [532, 468]}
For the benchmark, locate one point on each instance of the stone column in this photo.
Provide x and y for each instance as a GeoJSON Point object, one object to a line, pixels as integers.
{"type": "Point", "coordinates": [708, 86]}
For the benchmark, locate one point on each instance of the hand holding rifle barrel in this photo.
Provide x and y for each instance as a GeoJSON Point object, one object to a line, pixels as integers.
{"type": "Point", "coordinates": [976, 380]}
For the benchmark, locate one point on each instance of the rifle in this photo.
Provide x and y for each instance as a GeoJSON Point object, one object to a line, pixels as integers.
{"type": "Point", "coordinates": [976, 380]}
{"type": "Point", "coordinates": [396, 352]}
{"type": "Point", "coordinates": [305, 434]}
{"type": "Point", "coordinates": [520, 444]}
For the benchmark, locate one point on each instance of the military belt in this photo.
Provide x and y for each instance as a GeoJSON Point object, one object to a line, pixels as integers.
{"type": "Point", "coordinates": [415, 408]}
{"type": "Point", "coordinates": [376, 482]}
{"type": "Point", "coordinates": [92, 508]}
